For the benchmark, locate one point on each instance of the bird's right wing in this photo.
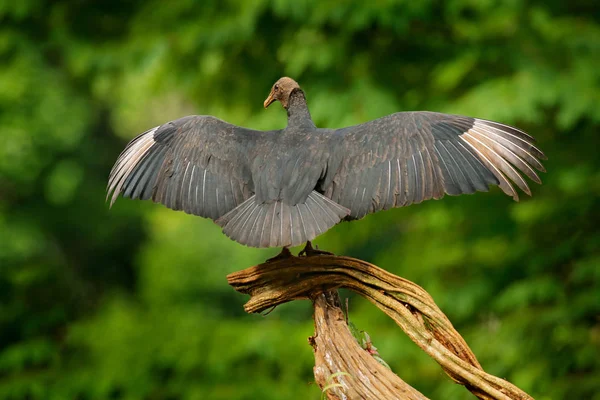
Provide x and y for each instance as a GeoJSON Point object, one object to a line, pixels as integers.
{"type": "Point", "coordinates": [408, 157]}
{"type": "Point", "coordinates": [199, 164]}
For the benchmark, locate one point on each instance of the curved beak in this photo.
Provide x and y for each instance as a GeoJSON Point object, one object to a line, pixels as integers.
{"type": "Point", "coordinates": [269, 99]}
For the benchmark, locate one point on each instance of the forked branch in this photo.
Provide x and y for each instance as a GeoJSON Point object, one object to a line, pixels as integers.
{"type": "Point", "coordinates": [411, 307]}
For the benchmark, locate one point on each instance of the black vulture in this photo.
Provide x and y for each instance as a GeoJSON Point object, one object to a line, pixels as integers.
{"type": "Point", "coordinates": [285, 187]}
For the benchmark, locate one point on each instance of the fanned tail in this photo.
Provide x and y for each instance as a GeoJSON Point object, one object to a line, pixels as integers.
{"type": "Point", "coordinates": [276, 224]}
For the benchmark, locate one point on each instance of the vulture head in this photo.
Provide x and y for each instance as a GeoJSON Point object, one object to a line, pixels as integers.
{"type": "Point", "coordinates": [281, 90]}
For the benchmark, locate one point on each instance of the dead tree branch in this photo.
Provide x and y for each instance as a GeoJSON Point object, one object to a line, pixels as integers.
{"type": "Point", "coordinates": [411, 307]}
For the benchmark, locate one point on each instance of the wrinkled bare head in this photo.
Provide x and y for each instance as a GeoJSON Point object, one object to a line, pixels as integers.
{"type": "Point", "coordinates": [282, 89]}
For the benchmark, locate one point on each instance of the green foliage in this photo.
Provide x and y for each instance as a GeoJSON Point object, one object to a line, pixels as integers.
{"type": "Point", "coordinates": [331, 385]}
{"type": "Point", "coordinates": [364, 340]}
{"type": "Point", "coordinates": [132, 303]}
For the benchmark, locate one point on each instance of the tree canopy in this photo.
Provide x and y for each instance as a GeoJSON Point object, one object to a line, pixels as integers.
{"type": "Point", "coordinates": [132, 302]}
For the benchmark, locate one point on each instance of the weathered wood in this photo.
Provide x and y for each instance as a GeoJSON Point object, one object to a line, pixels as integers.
{"type": "Point", "coordinates": [336, 350]}
{"type": "Point", "coordinates": [410, 306]}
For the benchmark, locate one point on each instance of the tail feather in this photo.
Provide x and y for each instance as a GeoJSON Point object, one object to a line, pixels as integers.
{"type": "Point", "coordinates": [277, 224]}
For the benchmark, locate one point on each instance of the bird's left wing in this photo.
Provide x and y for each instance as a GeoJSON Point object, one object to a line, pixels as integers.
{"type": "Point", "coordinates": [199, 164]}
{"type": "Point", "coordinates": [408, 157]}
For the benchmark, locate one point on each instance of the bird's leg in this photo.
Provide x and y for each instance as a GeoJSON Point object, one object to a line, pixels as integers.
{"type": "Point", "coordinates": [285, 253]}
{"type": "Point", "coordinates": [309, 251]}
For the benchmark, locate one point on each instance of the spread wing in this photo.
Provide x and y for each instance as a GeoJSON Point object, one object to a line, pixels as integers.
{"type": "Point", "coordinates": [199, 164]}
{"type": "Point", "coordinates": [408, 157]}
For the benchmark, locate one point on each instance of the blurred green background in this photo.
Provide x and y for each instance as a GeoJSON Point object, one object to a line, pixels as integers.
{"type": "Point", "coordinates": [132, 303]}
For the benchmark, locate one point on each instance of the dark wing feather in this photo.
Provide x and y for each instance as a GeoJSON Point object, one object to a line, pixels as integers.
{"type": "Point", "coordinates": [198, 164]}
{"type": "Point", "coordinates": [409, 157]}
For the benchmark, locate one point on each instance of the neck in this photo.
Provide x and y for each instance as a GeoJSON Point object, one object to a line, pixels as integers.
{"type": "Point", "coordinates": [297, 111]}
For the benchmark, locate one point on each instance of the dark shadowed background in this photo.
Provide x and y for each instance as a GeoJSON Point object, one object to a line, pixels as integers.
{"type": "Point", "coordinates": [132, 303]}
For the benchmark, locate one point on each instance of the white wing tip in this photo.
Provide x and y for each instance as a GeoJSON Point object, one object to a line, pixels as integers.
{"type": "Point", "coordinates": [128, 159]}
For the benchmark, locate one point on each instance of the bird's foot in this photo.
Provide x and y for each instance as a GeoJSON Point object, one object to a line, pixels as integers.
{"type": "Point", "coordinates": [285, 253]}
{"type": "Point", "coordinates": [309, 251]}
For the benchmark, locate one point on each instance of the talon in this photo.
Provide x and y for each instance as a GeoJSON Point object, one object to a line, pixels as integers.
{"type": "Point", "coordinates": [285, 253]}
{"type": "Point", "coordinates": [309, 251]}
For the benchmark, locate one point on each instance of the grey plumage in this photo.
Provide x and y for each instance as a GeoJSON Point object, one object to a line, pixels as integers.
{"type": "Point", "coordinates": [285, 187]}
{"type": "Point", "coordinates": [278, 224]}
